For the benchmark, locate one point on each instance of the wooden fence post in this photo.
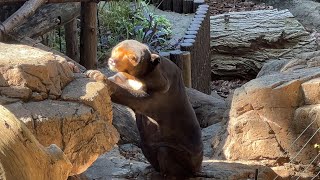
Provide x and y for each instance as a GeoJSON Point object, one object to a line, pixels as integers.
{"type": "Point", "coordinates": [88, 35]}
{"type": "Point", "coordinates": [189, 47]}
{"type": "Point", "coordinates": [177, 6]}
{"type": "Point", "coordinates": [167, 5]}
{"type": "Point", "coordinates": [183, 61]}
{"type": "Point", "coordinates": [72, 49]}
{"type": "Point", "coordinates": [187, 6]}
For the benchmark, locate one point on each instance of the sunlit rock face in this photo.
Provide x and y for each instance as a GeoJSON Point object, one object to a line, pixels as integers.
{"type": "Point", "coordinates": [58, 106]}
{"type": "Point", "coordinates": [269, 113]}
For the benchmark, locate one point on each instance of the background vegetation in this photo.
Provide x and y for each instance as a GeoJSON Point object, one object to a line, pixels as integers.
{"type": "Point", "coordinates": [120, 20]}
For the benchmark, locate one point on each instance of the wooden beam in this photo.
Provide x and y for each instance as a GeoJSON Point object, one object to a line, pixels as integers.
{"type": "Point", "coordinates": [88, 35]}
{"type": "Point", "coordinates": [47, 18]}
{"type": "Point", "coordinates": [19, 16]}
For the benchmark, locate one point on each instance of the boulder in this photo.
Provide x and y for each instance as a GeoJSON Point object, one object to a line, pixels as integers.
{"type": "Point", "coordinates": [209, 109]}
{"type": "Point", "coordinates": [74, 127]}
{"type": "Point", "coordinates": [57, 105]}
{"type": "Point", "coordinates": [23, 157]}
{"type": "Point", "coordinates": [241, 42]}
{"type": "Point", "coordinates": [24, 69]}
{"type": "Point", "coordinates": [210, 137]}
{"type": "Point", "coordinates": [269, 115]}
{"type": "Point", "coordinates": [120, 164]}
{"type": "Point", "coordinates": [124, 121]}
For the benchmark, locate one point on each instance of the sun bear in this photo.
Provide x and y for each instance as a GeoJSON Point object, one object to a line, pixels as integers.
{"type": "Point", "coordinates": [152, 87]}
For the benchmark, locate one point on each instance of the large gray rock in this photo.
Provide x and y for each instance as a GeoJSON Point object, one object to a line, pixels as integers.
{"type": "Point", "coordinates": [124, 121]}
{"type": "Point", "coordinates": [241, 42]}
{"type": "Point", "coordinates": [209, 109]}
{"type": "Point", "coordinates": [211, 137]}
{"type": "Point", "coordinates": [114, 165]}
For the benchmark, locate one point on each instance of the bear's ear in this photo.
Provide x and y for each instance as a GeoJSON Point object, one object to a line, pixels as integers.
{"type": "Point", "coordinates": [133, 59]}
{"type": "Point", "coordinates": [155, 59]}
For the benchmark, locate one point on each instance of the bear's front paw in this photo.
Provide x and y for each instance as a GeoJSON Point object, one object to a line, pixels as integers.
{"type": "Point", "coordinates": [96, 75]}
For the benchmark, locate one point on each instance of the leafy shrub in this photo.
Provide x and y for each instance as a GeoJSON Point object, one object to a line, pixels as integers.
{"type": "Point", "coordinates": [120, 20]}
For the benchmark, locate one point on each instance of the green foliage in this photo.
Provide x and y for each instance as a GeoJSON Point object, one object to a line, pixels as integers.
{"type": "Point", "coordinates": [120, 20]}
{"type": "Point", "coordinates": [55, 39]}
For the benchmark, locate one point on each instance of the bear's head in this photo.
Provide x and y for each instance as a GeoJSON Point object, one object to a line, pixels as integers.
{"type": "Point", "coordinates": [133, 57]}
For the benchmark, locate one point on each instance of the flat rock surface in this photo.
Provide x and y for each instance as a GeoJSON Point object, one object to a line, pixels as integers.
{"type": "Point", "coordinates": [34, 69]}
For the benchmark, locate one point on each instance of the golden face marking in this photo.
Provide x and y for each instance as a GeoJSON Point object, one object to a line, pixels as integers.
{"type": "Point", "coordinates": [122, 59]}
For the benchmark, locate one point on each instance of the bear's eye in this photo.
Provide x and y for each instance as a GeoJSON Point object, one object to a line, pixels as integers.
{"type": "Point", "coordinates": [132, 57]}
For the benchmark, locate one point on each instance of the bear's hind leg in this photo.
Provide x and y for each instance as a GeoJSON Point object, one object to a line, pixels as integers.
{"type": "Point", "coordinates": [173, 163]}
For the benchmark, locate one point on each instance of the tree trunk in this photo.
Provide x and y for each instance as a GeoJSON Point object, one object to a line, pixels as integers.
{"type": "Point", "coordinates": [19, 16]}
{"type": "Point", "coordinates": [23, 157]}
{"type": "Point", "coordinates": [46, 19]}
{"type": "Point", "coordinates": [88, 35]}
{"type": "Point", "coordinates": [72, 48]}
